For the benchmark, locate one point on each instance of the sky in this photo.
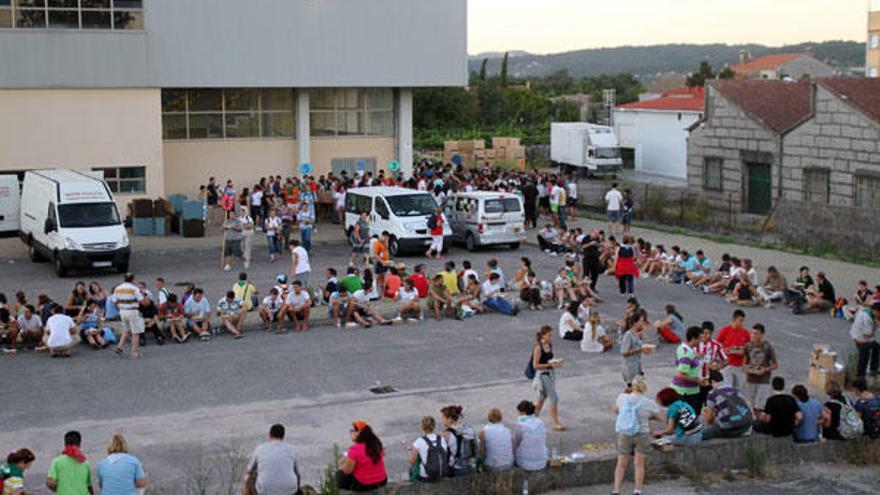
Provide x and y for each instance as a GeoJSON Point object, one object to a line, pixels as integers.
{"type": "Point", "coordinates": [551, 26]}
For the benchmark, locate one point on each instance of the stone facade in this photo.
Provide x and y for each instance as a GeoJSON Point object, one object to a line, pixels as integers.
{"type": "Point", "coordinates": [730, 134]}
{"type": "Point", "coordinates": [805, 66]}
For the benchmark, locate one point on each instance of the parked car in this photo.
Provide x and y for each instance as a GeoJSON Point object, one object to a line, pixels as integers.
{"type": "Point", "coordinates": [485, 218]}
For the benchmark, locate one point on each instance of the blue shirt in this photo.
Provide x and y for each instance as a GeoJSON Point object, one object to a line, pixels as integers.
{"type": "Point", "coordinates": [117, 474]}
{"type": "Point", "coordinates": [707, 264]}
{"type": "Point", "coordinates": [194, 307]}
{"type": "Point", "coordinates": [687, 413]}
{"type": "Point", "coordinates": [808, 429]}
{"type": "Point", "coordinates": [692, 264]}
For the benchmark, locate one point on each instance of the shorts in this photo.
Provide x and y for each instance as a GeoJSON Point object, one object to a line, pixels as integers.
{"type": "Point", "coordinates": [571, 201]}
{"type": "Point", "coordinates": [437, 243]}
{"type": "Point", "coordinates": [544, 202]}
{"type": "Point", "coordinates": [627, 218]}
{"type": "Point", "coordinates": [233, 247]}
{"type": "Point", "coordinates": [638, 444]}
{"type": "Point", "coordinates": [614, 216]}
{"type": "Point", "coordinates": [299, 315]}
{"type": "Point", "coordinates": [273, 315]}
{"type": "Point", "coordinates": [342, 308]}
{"type": "Point", "coordinates": [554, 207]}
{"type": "Point", "coordinates": [431, 301]}
{"type": "Point", "coordinates": [380, 267]}
{"type": "Point", "coordinates": [359, 248]}
{"type": "Point", "coordinates": [548, 388]}
{"type": "Point", "coordinates": [303, 278]}
{"type": "Point", "coordinates": [190, 323]}
{"type": "Point", "coordinates": [131, 321]}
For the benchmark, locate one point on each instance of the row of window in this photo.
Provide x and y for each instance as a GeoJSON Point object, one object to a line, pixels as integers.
{"type": "Point", "coordinates": [817, 184]}
{"type": "Point", "coordinates": [72, 14]}
{"type": "Point", "coordinates": [126, 180]}
{"type": "Point", "coordinates": [351, 112]}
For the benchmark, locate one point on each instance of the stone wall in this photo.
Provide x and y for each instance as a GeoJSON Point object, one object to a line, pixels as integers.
{"type": "Point", "coordinates": [728, 133]}
{"type": "Point", "coordinates": [851, 230]}
{"type": "Point", "coordinates": [806, 66]}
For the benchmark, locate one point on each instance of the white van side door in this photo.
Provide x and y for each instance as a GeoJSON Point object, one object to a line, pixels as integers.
{"type": "Point", "coordinates": [381, 218]}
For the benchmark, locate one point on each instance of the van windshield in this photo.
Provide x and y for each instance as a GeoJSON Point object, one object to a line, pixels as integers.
{"type": "Point", "coordinates": [78, 215]}
{"type": "Point", "coordinates": [505, 205]}
{"type": "Point", "coordinates": [607, 153]}
{"type": "Point", "coordinates": [411, 205]}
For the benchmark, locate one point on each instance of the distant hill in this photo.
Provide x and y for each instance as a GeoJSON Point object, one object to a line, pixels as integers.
{"type": "Point", "coordinates": [648, 62]}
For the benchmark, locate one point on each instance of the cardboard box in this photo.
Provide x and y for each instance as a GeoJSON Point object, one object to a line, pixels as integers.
{"type": "Point", "coordinates": [819, 377]}
{"type": "Point", "coordinates": [519, 152]}
{"type": "Point", "coordinates": [450, 146]}
{"type": "Point", "coordinates": [490, 154]}
{"type": "Point", "coordinates": [823, 357]}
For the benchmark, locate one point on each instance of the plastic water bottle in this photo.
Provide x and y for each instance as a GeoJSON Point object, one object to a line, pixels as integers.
{"type": "Point", "coordinates": [525, 487]}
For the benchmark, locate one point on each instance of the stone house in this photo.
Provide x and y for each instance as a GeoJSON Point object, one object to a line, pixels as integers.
{"type": "Point", "coordinates": [795, 66]}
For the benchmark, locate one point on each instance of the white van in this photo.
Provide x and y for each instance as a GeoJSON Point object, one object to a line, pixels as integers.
{"type": "Point", "coordinates": [70, 218]}
{"type": "Point", "coordinates": [401, 212]}
{"type": "Point", "coordinates": [485, 218]}
{"type": "Point", "coordinates": [9, 205]}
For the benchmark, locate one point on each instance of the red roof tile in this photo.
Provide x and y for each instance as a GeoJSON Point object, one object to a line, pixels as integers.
{"type": "Point", "coordinates": [863, 93]}
{"type": "Point", "coordinates": [692, 103]}
{"type": "Point", "coordinates": [767, 62]}
{"type": "Point", "coordinates": [778, 105]}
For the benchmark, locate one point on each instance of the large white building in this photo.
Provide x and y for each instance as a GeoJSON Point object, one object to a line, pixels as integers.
{"type": "Point", "coordinates": [161, 94]}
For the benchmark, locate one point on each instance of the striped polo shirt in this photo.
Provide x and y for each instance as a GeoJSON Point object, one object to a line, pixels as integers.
{"type": "Point", "coordinates": [686, 362]}
{"type": "Point", "coordinates": [127, 296]}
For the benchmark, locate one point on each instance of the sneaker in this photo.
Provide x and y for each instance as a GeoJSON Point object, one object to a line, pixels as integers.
{"type": "Point", "coordinates": [178, 339]}
{"type": "Point", "coordinates": [554, 254]}
{"type": "Point", "coordinates": [247, 264]}
{"type": "Point", "coordinates": [160, 340]}
{"type": "Point", "coordinates": [205, 337]}
{"type": "Point", "coordinates": [227, 268]}
{"type": "Point", "coordinates": [186, 337]}
{"type": "Point", "coordinates": [338, 325]}
{"type": "Point", "coordinates": [7, 350]}
{"type": "Point", "coordinates": [515, 310]}
{"type": "Point", "coordinates": [397, 318]}
{"type": "Point", "coordinates": [351, 324]}
{"type": "Point", "coordinates": [412, 319]}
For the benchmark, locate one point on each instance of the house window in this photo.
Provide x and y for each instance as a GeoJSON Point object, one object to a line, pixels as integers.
{"type": "Point", "coordinates": [227, 113]}
{"type": "Point", "coordinates": [712, 176]}
{"type": "Point", "coordinates": [352, 112]}
{"type": "Point", "coordinates": [72, 14]}
{"type": "Point", "coordinates": [817, 185]}
{"type": "Point", "coordinates": [126, 180]}
{"type": "Point", "coordinates": [872, 72]}
{"type": "Point", "coordinates": [875, 40]}
{"type": "Point", "coordinates": [868, 190]}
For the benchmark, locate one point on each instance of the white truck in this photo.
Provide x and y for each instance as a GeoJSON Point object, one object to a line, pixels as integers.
{"type": "Point", "coordinates": [591, 148]}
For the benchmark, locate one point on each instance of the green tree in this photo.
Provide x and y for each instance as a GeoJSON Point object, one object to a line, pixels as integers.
{"type": "Point", "coordinates": [439, 108]}
{"type": "Point", "coordinates": [566, 111]}
{"type": "Point", "coordinates": [703, 74]}
{"type": "Point", "coordinates": [557, 83]}
{"type": "Point", "coordinates": [726, 73]}
{"type": "Point", "coordinates": [504, 67]}
{"type": "Point", "coordinates": [483, 70]}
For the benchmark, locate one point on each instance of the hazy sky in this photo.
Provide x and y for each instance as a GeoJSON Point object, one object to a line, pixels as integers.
{"type": "Point", "coordinates": [548, 26]}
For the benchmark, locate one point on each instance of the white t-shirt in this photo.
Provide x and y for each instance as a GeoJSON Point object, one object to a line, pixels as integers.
{"type": "Point", "coordinates": [467, 273]}
{"type": "Point", "coordinates": [272, 304]}
{"type": "Point", "coordinates": [34, 323]}
{"type": "Point", "coordinates": [272, 225]}
{"type": "Point", "coordinates": [613, 198]}
{"type": "Point", "coordinates": [590, 345]}
{"type": "Point", "coordinates": [422, 448]}
{"type": "Point", "coordinates": [407, 296]}
{"type": "Point", "coordinates": [549, 235]}
{"type": "Point", "coordinates": [584, 312]}
{"type": "Point", "coordinates": [302, 261]}
{"type": "Point", "coordinates": [246, 220]}
{"type": "Point", "coordinates": [360, 297]}
{"type": "Point", "coordinates": [491, 289]}
{"type": "Point", "coordinates": [572, 190]}
{"type": "Point", "coordinates": [298, 301]}
{"type": "Point", "coordinates": [554, 195]}
{"type": "Point", "coordinates": [256, 198]}
{"type": "Point", "coordinates": [59, 326]}
{"type": "Point", "coordinates": [564, 323]}
{"type": "Point", "coordinates": [340, 199]}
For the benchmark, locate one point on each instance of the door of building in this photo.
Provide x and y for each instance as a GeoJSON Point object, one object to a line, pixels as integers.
{"type": "Point", "coordinates": [759, 193]}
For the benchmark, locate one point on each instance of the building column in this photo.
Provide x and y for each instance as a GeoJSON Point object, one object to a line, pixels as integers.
{"type": "Point", "coordinates": [405, 130]}
{"type": "Point", "coordinates": [303, 131]}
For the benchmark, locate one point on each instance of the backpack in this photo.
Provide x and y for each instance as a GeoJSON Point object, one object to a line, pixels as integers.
{"type": "Point", "coordinates": [628, 418]}
{"type": "Point", "coordinates": [466, 445]}
{"type": "Point", "coordinates": [530, 369]}
{"type": "Point", "coordinates": [740, 413]}
{"type": "Point", "coordinates": [432, 222]}
{"type": "Point", "coordinates": [850, 425]}
{"type": "Point", "coordinates": [435, 460]}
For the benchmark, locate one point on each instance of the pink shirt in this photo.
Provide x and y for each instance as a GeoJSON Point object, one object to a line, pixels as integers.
{"type": "Point", "coordinates": [365, 470]}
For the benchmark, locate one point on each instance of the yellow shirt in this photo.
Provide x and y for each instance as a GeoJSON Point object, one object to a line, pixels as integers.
{"type": "Point", "coordinates": [245, 293]}
{"type": "Point", "coordinates": [450, 280]}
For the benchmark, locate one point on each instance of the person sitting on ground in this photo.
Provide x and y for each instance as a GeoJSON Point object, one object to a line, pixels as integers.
{"type": "Point", "coordinates": [91, 321]}
{"type": "Point", "coordinates": [798, 290]}
{"type": "Point", "coordinates": [8, 331]}
{"type": "Point", "coordinates": [671, 329]}
{"type": "Point", "coordinates": [439, 299]}
{"type": "Point", "coordinates": [496, 443]}
{"type": "Point", "coordinates": [529, 439]}
{"type": "Point", "coordinates": [450, 278]}
{"type": "Point", "coordinates": [410, 307]}
{"type": "Point", "coordinates": [466, 271]}
{"type": "Point", "coordinates": [563, 288]}
{"type": "Point", "coordinates": [634, 411]}
{"type": "Point", "coordinates": [359, 311]}
{"type": "Point", "coordinates": [548, 240]}
{"type": "Point", "coordinates": [351, 281]}
{"type": "Point", "coordinates": [683, 426]}
{"type": "Point", "coordinates": [861, 299]}
{"type": "Point", "coordinates": [420, 280]}
{"type": "Point", "coordinates": [173, 314]}
{"type": "Point", "coordinates": [30, 327]}
{"type": "Point", "coordinates": [61, 332]}
{"type": "Point", "coordinates": [12, 473]}
{"type": "Point", "coordinates": [231, 313]}
{"type": "Point", "coordinates": [493, 298]}
{"type": "Point", "coordinates": [337, 308]}
{"type": "Point", "coordinates": [198, 315]}
{"type": "Point", "coordinates": [569, 327]}
{"type": "Point", "coordinates": [530, 291]}
{"type": "Point", "coordinates": [120, 472]}
{"type": "Point", "coordinates": [273, 467]}
{"type": "Point", "coordinates": [743, 292]}
{"type": "Point", "coordinates": [272, 310]}
{"type": "Point", "coordinates": [868, 406]}
{"type": "Point", "coordinates": [246, 292]}
{"type": "Point", "coordinates": [468, 304]}
{"type": "Point", "coordinates": [727, 414]}
{"type": "Point", "coordinates": [70, 472]}
{"type": "Point", "coordinates": [76, 300]}
{"type": "Point", "coordinates": [331, 286]}
{"type": "Point", "coordinates": [834, 411]}
{"type": "Point", "coordinates": [773, 288]}
{"type": "Point", "coordinates": [461, 439]}
{"type": "Point", "coordinates": [393, 282]}
{"type": "Point", "coordinates": [703, 270]}
{"type": "Point", "coordinates": [808, 419]}
{"type": "Point", "coordinates": [149, 313]}
{"type": "Point", "coordinates": [429, 453]}
{"type": "Point", "coordinates": [595, 340]}
{"type": "Point", "coordinates": [493, 267]}
{"type": "Point", "coordinates": [363, 466]}
{"type": "Point", "coordinates": [818, 300]}
{"type": "Point", "coordinates": [779, 414]}
{"type": "Point", "coordinates": [725, 283]}
{"type": "Point", "coordinates": [298, 305]}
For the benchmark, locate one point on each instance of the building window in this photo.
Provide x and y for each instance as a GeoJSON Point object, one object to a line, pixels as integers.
{"type": "Point", "coordinates": [712, 175]}
{"type": "Point", "coordinates": [817, 185]}
{"type": "Point", "coordinates": [868, 190]}
{"type": "Point", "coordinates": [352, 112]}
{"type": "Point", "coordinates": [875, 40]}
{"type": "Point", "coordinates": [125, 180]}
{"type": "Point", "coordinates": [872, 72]}
{"type": "Point", "coordinates": [72, 14]}
{"type": "Point", "coordinates": [227, 113]}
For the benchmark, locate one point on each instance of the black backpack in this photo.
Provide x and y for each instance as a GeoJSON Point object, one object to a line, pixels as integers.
{"type": "Point", "coordinates": [465, 447]}
{"type": "Point", "coordinates": [740, 413]}
{"type": "Point", "coordinates": [435, 462]}
{"type": "Point", "coordinates": [432, 222]}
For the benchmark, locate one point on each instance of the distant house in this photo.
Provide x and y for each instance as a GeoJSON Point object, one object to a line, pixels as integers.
{"type": "Point", "coordinates": [655, 131]}
{"type": "Point", "coordinates": [663, 84]}
{"type": "Point", "coordinates": [794, 66]}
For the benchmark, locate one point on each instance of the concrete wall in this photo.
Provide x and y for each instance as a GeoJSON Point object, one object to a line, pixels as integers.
{"type": "Point", "coordinates": [806, 66]}
{"type": "Point", "coordinates": [83, 129]}
{"type": "Point", "coordinates": [659, 138]}
{"type": "Point", "coordinates": [839, 139]}
{"type": "Point", "coordinates": [229, 43]}
{"type": "Point", "coordinates": [188, 164]}
{"type": "Point", "coordinates": [729, 133]}
{"type": "Point", "coordinates": [325, 149]}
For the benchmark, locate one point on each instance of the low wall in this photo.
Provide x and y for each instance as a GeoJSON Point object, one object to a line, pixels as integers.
{"type": "Point", "coordinates": [706, 457]}
{"type": "Point", "coordinates": [850, 230]}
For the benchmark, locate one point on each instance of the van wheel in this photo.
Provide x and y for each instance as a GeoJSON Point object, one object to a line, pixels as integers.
{"type": "Point", "coordinates": [393, 247]}
{"type": "Point", "coordinates": [514, 245]}
{"type": "Point", "coordinates": [33, 254]}
{"type": "Point", "coordinates": [470, 243]}
{"type": "Point", "coordinates": [60, 269]}
{"type": "Point", "coordinates": [122, 268]}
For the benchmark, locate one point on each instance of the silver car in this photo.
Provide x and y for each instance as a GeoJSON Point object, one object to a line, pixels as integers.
{"type": "Point", "coordinates": [485, 218]}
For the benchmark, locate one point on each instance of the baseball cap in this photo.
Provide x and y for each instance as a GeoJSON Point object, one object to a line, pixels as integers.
{"type": "Point", "coordinates": [281, 278]}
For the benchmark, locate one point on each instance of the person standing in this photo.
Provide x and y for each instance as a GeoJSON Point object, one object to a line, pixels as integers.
{"type": "Point", "coordinates": [70, 473]}
{"type": "Point", "coordinates": [128, 297]}
{"type": "Point", "coordinates": [247, 236]}
{"type": "Point", "coordinates": [435, 225]}
{"type": "Point", "coordinates": [231, 240]}
{"type": "Point", "coordinates": [306, 220]}
{"type": "Point", "coordinates": [545, 367]}
{"type": "Point", "coordinates": [592, 266]}
{"type": "Point", "coordinates": [120, 473]}
{"type": "Point", "coordinates": [627, 214]}
{"type": "Point", "coordinates": [613, 202]}
{"type": "Point", "coordinates": [530, 198]}
{"type": "Point", "coordinates": [864, 333]}
{"type": "Point", "coordinates": [625, 267]}
{"type": "Point", "coordinates": [631, 350]}
{"type": "Point", "coordinates": [300, 269]}
{"type": "Point", "coordinates": [759, 362]}
{"type": "Point", "coordinates": [360, 239]}
{"type": "Point", "coordinates": [634, 411]}
{"type": "Point", "coordinates": [272, 226]}
{"type": "Point", "coordinates": [733, 338]}
{"type": "Point", "coordinates": [571, 196]}
{"type": "Point", "coordinates": [273, 468]}
{"type": "Point", "coordinates": [686, 381]}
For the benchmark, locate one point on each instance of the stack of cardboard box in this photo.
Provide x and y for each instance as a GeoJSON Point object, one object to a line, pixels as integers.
{"type": "Point", "coordinates": [474, 152]}
{"type": "Point", "coordinates": [824, 368]}
{"type": "Point", "coordinates": [508, 149]}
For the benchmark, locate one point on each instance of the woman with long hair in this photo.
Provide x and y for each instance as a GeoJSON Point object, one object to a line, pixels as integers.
{"type": "Point", "coordinates": [363, 466]}
{"type": "Point", "coordinates": [671, 328]}
{"type": "Point", "coordinates": [76, 300]}
{"type": "Point", "coordinates": [545, 366]}
{"type": "Point", "coordinates": [12, 474]}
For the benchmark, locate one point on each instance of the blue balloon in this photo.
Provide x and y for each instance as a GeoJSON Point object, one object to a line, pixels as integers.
{"type": "Point", "coordinates": [456, 160]}
{"type": "Point", "coordinates": [305, 168]}
{"type": "Point", "coordinates": [394, 165]}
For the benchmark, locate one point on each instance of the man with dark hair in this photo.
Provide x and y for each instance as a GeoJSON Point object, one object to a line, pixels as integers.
{"type": "Point", "coordinates": [868, 406]}
{"type": "Point", "coordinates": [733, 338]}
{"type": "Point", "coordinates": [759, 362]}
{"type": "Point", "coordinates": [686, 381]}
{"type": "Point", "coordinates": [232, 314]}
{"type": "Point", "coordinates": [70, 473]}
{"type": "Point", "coordinates": [128, 298]}
{"type": "Point", "coordinates": [727, 414]}
{"type": "Point", "coordinates": [778, 416]}
{"type": "Point", "coordinates": [198, 315]}
{"type": "Point", "coordinates": [822, 299]}
{"type": "Point", "coordinates": [273, 469]}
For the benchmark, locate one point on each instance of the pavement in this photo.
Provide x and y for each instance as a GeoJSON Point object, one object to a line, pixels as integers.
{"type": "Point", "coordinates": [182, 404]}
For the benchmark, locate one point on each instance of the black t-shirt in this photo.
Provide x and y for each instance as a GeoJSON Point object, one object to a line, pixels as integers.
{"type": "Point", "coordinates": [591, 252]}
{"type": "Point", "coordinates": [149, 311]}
{"type": "Point", "coordinates": [827, 290]}
{"type": "Point", "coordinates": [782, 409]}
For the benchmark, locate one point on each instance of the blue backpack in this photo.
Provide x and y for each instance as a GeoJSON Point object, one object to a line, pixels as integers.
{"type": "Point", "coordinates": [628, 418]}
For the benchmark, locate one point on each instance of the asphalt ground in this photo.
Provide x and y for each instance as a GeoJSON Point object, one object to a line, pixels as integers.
{"type": "Point", "coordinates": [181, 404]}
